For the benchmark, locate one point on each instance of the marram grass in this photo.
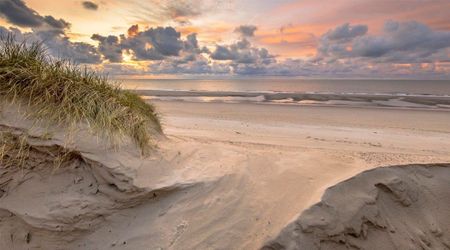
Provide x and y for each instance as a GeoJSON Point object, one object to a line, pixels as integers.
{"type": "Point", "coordinates": [16, 152]}
{"type": "Point", "coordinates": [65, 94]}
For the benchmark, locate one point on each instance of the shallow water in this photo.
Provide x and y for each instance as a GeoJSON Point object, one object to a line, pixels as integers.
{"type": "Point", "coordinates": [421, 87]}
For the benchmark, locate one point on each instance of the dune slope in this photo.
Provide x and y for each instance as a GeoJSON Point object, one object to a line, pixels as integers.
{"type": "Point", "coordinates": [399, 207]}
{"type": "Point", "coordinates": [55, 192]}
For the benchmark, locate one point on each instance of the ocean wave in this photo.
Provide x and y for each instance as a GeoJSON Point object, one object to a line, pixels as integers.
{"type": "Point", "coordinates": [384, 101]}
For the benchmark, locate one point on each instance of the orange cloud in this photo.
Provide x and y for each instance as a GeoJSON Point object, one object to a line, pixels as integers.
{"type": "Point", "coordinates": [133, 30]}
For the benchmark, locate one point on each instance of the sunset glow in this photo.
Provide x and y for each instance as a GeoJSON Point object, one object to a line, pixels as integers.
{"type": "Point", "coordinates": [226, 37]}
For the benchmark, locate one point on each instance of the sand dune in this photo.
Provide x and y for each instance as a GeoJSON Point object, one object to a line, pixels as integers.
{"type": "Point", "coordinates": [400, 207]}
{"type": "Point", "coordinates": [227, 176]}
{"type": "Point", "coordinates": [63, 190]}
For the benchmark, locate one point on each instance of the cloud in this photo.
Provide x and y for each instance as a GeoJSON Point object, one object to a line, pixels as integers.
{"type": "Point", "coordinates": [345, 32]}
{"type": "Point", "coordinates": [175, 12]}
{"type": "Point", "coordinates": [242, 52]}
{"type": "Point", "coordinates": [109, 47]}
{"type": "Point", "coordinates": [17, 13]}
{"type": "Point", "coordinates": [200, 66]}
{"type": "Point", "coordinates": [400, 42]}
{"type": "Point", "coordinates": [335, 42]}
{"type": "Point", "coordinates": [401, 49]}
{"type": "Point", "coordinates": [46, 29]}
{"type": "Point", "coordinates": [222, 53]}
{"type": "Point", "coordinates": [153, 43]}
{"type": "Point", "coordinates": [78, 52]}
{"type": "Point", "coordinates": [160, 43]}
{"type": "Point", "coordinates": [183, 9]}
{"type": "Point", "coordinates": [246, 30]}
{"type": "Point", "coordinates": [57, 45]}
{"type": "Point", "coordinates": [89, 5]}
{"type": "Point", "coordinates": [133, 30]}
{"type": "Point", "coordinates": [338, 53]}
{"type": "Point", "coordinates": [191, 42]}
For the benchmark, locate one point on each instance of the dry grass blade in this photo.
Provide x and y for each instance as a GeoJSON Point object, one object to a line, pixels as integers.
{"type": "Point", "coordinates": [64, 93]}
{"type": "Point", "coordinates": [14, 150]}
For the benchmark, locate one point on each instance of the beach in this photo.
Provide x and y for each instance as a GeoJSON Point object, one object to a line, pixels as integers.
{"type": "Point", "coordinates": [224, 125]}
{"type": "Point", "coordinates": [223, 176]}
{"type": "Point", "coordinates": [267, 163]}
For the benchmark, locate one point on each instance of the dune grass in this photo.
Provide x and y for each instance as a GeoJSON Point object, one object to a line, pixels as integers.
{"type": "Point", "coordinates": [66, 94]}
{"type": "Point", "coordinates": [14, 151]}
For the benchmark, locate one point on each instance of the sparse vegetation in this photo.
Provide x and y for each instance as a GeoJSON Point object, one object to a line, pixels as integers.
{"type": "Point", "coordinates": [66, 94]}
{"type": "Point", "coordinates": [16, 152]}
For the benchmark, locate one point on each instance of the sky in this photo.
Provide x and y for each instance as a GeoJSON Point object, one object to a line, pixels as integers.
{"type": "Point", "coordinates": [232, 38]}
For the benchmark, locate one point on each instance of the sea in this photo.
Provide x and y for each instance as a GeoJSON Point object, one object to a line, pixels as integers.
{"type": "Point", "coordinates": [295, 91]}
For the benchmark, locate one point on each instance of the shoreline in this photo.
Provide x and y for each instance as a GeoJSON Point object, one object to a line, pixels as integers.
{"type": "Point", "coordinates": [381, 100]}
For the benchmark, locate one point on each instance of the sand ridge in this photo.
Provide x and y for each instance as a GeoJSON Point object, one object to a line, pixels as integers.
{"type": "Point", "coordinates": [399, 207]}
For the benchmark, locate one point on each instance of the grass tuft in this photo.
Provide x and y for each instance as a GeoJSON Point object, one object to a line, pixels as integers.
{"type": "Point", "coordinates": [66, 94]}
{"type": "Point", "coordinates": [14, 150]}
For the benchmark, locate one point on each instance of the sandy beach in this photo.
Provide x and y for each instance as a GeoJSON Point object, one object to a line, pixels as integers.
{"type": "Point", "coordinates": [226, 176]}
{"type": "Point", "coordinates": [267, 163]}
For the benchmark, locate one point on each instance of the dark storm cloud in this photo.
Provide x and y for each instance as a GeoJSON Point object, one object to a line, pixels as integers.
{"type": "Point", "coordinates": [246, 30]}
{"type": "Point", "coordinates": [90, 5]}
